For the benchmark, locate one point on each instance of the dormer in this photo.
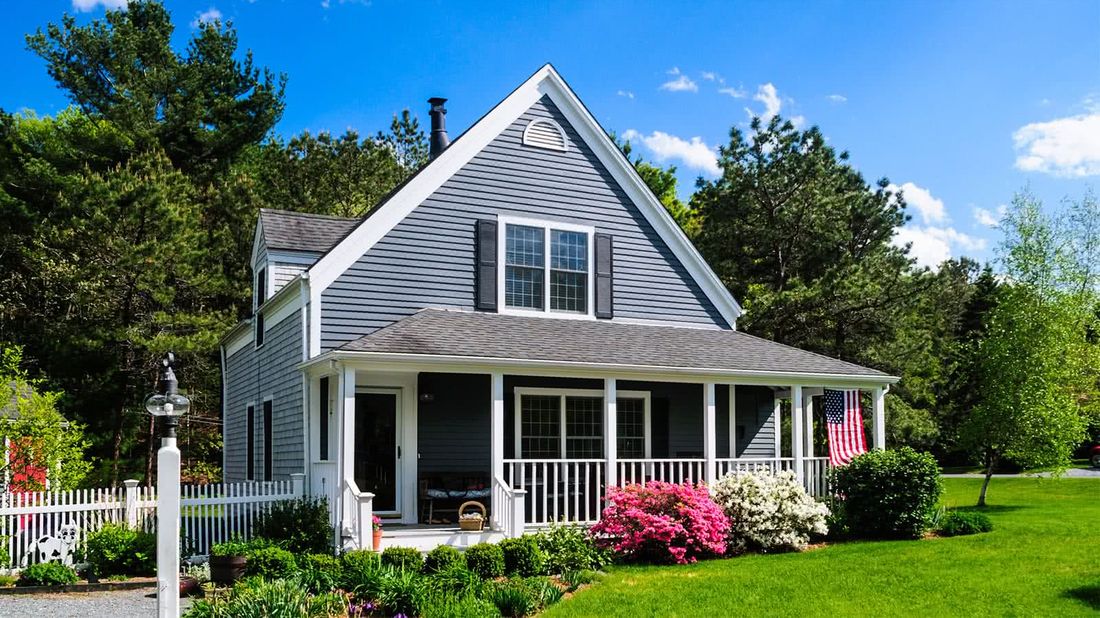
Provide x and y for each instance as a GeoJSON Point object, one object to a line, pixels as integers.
{"type": "Point", "coordinates": [286, 244]}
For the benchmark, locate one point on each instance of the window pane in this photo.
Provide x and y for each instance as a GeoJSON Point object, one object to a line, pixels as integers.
{"type": "Point", "coordinates": [631, 428]}
{"type": "Point", "coordinates": [541, 426]}
{"type": "Point", "coordinates": [524, 260]}
{"type": "Point", "coordinates": [568, 271]}
{"type": "Point", "coordinates": [584, 427]}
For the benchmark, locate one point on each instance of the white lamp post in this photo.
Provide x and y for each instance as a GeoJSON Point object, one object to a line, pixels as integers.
{"type": "Point", "coordinates": [168, 403]}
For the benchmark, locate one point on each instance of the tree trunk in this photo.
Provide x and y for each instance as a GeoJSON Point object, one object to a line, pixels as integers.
{"type": "Point", "coordinates": [989, 462]}
{"type": "Point", "coordinates": [150, 450]}
{"type": "Point", "coordinates": [116, 451]}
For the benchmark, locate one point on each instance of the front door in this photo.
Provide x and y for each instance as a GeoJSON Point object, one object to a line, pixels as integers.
{"type": "Point", "coordinates": [377, 451]}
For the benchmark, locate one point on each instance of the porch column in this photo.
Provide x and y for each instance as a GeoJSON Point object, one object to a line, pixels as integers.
{"type": "Point", "coordinates": [611, 431]}
{"type": "Point", "coordinates": [497, 441]}
{"type": "Point", "coordinates": [347, 444]}
{"type": "Point", "coordinates": [710, 438]}
{"type": "Point", "coordinates": [879, 419]}
{"type": "Point", "coordinates": [809, 428]}
{"type": "Point", "coordinates": [777, 422]}
{"type": "Point", "coordinates": [733, 422]}
{"type": "Point", "coordinates": [797, 439]}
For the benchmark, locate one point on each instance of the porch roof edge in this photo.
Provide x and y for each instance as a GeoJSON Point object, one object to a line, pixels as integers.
{"type": "Point", "coordinates": [437, 362]}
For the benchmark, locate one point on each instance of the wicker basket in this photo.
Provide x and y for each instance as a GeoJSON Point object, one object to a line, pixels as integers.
{"type": "Point", "coordinates": [471, 525]}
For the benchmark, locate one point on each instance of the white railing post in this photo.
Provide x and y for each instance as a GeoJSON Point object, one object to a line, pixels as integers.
{"type": "Point", "coordinates": [879, 424]}
{"type": "Point", "coordinates": [496, 440]}
{"type": "Point", "coordinates": [131, 503]}
{"type": "Point", "coordinates": [777, 424]}
{"type": "Point", "coordinates": [611, 424]}
{"type": "Point", "coordinates": [347, 445]}
{"type": "Point", "coordinates": [519, 499]}
{"type": "Point", "coordinates": [366, 521]}
{"type": "Point", "coordinates": [733, 421]}
{"type": "Point", "coordinates": [298, 484]}
{"type": "Point", "coordinates": [797, 416]}
{"type": "Point", "coordinates": [710, 438]}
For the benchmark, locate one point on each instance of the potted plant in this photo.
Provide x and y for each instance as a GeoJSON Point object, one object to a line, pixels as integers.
{"type": "Point", "coordinates": [227, 561]}
{"type": "Point", "coordinates": [376, 527]}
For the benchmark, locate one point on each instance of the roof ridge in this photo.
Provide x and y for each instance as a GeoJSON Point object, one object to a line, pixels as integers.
{"type": "Point", "coordinates": [310, 215]}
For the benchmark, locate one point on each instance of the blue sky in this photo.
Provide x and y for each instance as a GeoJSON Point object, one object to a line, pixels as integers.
{"type": "Point", "coordinates": [960, 103]}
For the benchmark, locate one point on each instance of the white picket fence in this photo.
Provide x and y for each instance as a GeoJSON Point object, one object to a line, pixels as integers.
{"type": "Point", "coordinates": [50, 525]}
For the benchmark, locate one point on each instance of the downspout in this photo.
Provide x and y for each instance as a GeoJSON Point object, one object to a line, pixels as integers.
{"type": "Point", "coordinates": [225, 408]}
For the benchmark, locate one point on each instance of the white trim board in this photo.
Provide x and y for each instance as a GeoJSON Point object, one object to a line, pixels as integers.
{"type": "Point", "coordinates": [546, 81]}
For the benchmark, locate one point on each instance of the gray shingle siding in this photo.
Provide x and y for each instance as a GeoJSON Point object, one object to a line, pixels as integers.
{"type": "Point", "coordinates": [427, 260]}
{"type": "Point", "coordinates": [253, 376]}
{"type": "Point", "coordinates": [755, 405]}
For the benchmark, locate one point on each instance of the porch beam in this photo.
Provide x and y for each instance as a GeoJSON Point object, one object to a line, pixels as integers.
{"type": "Point", "coordinates": [879, 418]}
{"type": "Point", "coordinates": [497, 423]}
{"type": "Point", "coordinates": [797, 439]}
{"type": "Point", "coordinates": [710, 437]}
{"type": "Point", "coordinates": [777, 422]}
{"type": "Point", "coordinates": [611, 431]}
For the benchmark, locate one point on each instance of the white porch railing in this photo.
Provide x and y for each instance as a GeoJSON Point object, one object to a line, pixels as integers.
{"type": "Point", "coordinates": [667, 470]}
{"type": "Point", "coordinates": [509, 510]}
{"type": "Point", "coordinates": [753, 464]}
{"type": "Point", "coordinates": [44, 525]}
{"type": "Point", "coordinates": [357, 528]}
{"type": "Point", "coordinates": [558, 489]}
{"type": "Point", "coordinates": [816, 478]}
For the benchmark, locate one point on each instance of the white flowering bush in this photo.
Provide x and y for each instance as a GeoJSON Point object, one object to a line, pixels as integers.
{"type": "Point", "coordinates": [768, 511]}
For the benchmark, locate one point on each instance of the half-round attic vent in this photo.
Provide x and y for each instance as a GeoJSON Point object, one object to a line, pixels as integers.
{"type": "Point", "coordinates": [543, 133]}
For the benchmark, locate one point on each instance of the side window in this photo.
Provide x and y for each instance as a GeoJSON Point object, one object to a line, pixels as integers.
{"type": "Point", "coordinates": [322, 424]}
{"type": "Point", "coordinates": [251, 442]}
{"type": "Point", "coordinates": [259, 326]}
{"type": "Point", "coordinates": [267, 440]}
{"type": "Point", "coordinates": [261, 287]}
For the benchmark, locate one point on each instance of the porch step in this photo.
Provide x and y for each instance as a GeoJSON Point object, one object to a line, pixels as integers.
{"type": "Point", "coordinates": [426, 538]}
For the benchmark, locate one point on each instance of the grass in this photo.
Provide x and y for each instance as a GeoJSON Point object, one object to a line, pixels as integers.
{"type": "Point", "coordinates": [1042, 559]}
{"type": "Point", "coordinates": [972, 469]}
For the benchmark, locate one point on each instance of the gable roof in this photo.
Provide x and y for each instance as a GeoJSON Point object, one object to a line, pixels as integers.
{"type": "Point", "coordinates": [494, 336]}
{"type": "Point", "coordinates": [298, 231]}
{"type": "Point", "coordinates": [545, 82]}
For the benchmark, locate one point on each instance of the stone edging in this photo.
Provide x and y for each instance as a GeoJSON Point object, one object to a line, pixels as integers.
{"type": "Point", "coordinates": [133, 584]}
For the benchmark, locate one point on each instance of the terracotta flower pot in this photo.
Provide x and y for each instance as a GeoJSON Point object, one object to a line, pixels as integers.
{"type": "Point", "coordinates": [225, 570]}
{"type": "Point", "coordinates": [377, 540]}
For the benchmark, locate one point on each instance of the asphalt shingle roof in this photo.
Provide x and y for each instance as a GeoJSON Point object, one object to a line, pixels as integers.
{"type": "Point", "coordinates": [441, 332]}
{"type": "Point", "coordinates": [303, 232]}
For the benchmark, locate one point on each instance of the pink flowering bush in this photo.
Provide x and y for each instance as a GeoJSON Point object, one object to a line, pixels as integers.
{"type": "Point", "coordinates": [662, 522]}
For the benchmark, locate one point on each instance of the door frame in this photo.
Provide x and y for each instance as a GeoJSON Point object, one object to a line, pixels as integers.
{"type": "Point", "coordinates": [399, 451]}
{"type": "Point", "coordinates": [405, 385]}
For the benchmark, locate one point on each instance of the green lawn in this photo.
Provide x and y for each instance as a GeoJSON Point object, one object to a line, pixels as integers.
{"type": "Point", "coordinates": [1042, 559]}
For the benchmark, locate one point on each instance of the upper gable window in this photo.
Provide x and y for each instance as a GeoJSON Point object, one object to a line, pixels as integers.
{"type": "Point", "coordinates": [546, 266]}
{"type": "Point", "coordinates": [544, 133]}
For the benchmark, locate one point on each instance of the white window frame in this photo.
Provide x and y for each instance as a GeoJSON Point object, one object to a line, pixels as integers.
{"type": "Point", "coordinates": [546, 225]}
{"type": "Point", "coordinates": [562, 394]}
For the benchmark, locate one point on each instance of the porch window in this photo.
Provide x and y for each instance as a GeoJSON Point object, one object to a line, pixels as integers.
{"type": "Point", "coordinates": [583, 427]}
{"type": "Point", "coordinates": [540, 427]}
{"type": "Point", "coordinates": [545, 266]}
{"type": "Point", "coordinates": [552, 423]}
{"type": "Point", "coordinates": [632, 428]}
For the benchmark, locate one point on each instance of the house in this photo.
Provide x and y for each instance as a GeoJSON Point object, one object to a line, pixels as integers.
{"type": "Point", "coordinates": [521, 324]}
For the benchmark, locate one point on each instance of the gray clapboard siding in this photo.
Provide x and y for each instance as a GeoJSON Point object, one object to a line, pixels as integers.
{"type": "Point", "coordinates": [427, 260]}
{"type": "Point", "coordinates": [755, 405]}
{"type": "Point", "coordinates": [454, 430]}
{"type": "Point", "coordinates": [253, 376]}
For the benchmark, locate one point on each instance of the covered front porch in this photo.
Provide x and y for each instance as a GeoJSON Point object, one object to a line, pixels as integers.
{"type": "Point", "coordinates": [411, 441]}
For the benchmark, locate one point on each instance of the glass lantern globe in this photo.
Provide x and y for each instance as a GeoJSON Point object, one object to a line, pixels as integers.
{"type": "Point", "coordinates": [167, 405]}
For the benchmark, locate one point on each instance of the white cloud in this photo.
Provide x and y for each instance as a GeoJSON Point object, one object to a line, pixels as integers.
{"type": "Point", "coordinates": [682, 83]}
{"type": "Point", "coordinates": [931, 245]}
{"type": "Point", "coordinates": [737, 93]}
{"type": "Point", "coordinates": [90, 5]}
{"type": "Point", "coordinates": [837, 98]}
{"type": "Point", "coordinates": [931, 209]}
{"type": "Point", "coordinates": [328, 3]}
{"type": "Point", "coordinates": [693, 153]}
{"type": "Point", "coordinates": [990, 218]}
{"type": "Point", "coordinates": [209, 15]}
{"type": "Point", "coordinates": [767, 94]}
{"type": "Point", "coordinates": [625, 93]}
{"type": "Point", "coordinates": [1068, 147]}
{"type": "Point", "coordinates": [711, 76]}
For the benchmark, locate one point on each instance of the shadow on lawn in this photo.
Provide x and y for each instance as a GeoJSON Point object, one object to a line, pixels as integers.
{"type": "Point", "coordinates": [1089, 595]}
{"type": "Point", "coordinates": [990, 509]}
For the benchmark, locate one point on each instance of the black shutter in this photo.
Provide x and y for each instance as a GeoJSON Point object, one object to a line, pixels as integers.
{"type": "Point", "coordinates": [605, 302]}
{"type": "Point", "coordinates": [267, 441]}
{"type": "Point", "coordinates": [486, 280]}
{"type": "Point", "coordinates": [250, 473]}
{"type": "Point", "coordinates": [323, 424]}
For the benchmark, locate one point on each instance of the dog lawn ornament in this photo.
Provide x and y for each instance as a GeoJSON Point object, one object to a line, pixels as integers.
{"type": "Point", "coordinates": [58, 548]}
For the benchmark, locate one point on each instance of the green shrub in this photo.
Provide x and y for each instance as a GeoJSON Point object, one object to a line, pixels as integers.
{"type": "Point", "coordinates": [467, 606]}
{"type": "Point", "coordinates": [300, 526]}
{"type": "Point", "coordinates": [485, 559]}
{"type": "Point", "coordinates": [319, 572]}
{"type": "Point", "coordinates": [514, 598]}
{"type": "Point", "coordinates": [117, 550]}
{"type": "Point", "coordinates": [7, 580]}
{"type": "Point", "coordinates": [889, 494]}
{"type": "Point", "coordinates": [523, 556]}
{"type": "Point", "coordinates": [360, 560]}
{"type": "Point", "coordinates": [568, 548]}
{"type": "Point", "coordinates": [270, 563]}
{"type": "Point", "coordinates": [46, 574]}
{"type": "Point", "coordinates": [576, 579]}
{"type": "Point", "coordinates": [402, 591]}
{"type": "Point", "coordinates": [262, 599]}
{"type": "Point", "coordinates": [404, 558]}
{"type": "Point", "coordinates": [961, 523]}
{"type": "Point", "coordinates": [237, 547]}
{"type": "Point", "coordinates": [456, 580]}
{"type": "Point", "coordinates": [442, 558]}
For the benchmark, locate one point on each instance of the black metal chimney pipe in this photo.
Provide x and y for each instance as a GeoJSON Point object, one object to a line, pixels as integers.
{"type": "Point", "coordinates": [439, 140]}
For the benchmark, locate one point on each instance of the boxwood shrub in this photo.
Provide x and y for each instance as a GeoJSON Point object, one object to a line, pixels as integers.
{"type": "Point", "coordinates": [443, 558]}
{"type": "Point", "coordinates": [405, 558]}
{"type": "Point", "coordinates": [270, 563]}
{"type": "Point", "coordinates": [889, 494]}
{"type": "Point", "coordinates": [118, 550]}
{"type": "Point", "coordinates": [300, 526]}
{"type": "Point", "coordinates": [960, 523]}
{"type": "Point", "coordinates": [485, 559]}
{"type": "Point", "coordinates": [523, 556]}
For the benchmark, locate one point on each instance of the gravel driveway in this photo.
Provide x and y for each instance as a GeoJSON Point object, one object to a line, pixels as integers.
{"type": "Point", "coordinates": [116, 604]}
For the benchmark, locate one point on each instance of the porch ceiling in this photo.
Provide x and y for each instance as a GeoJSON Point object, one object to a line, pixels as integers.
{"type": "Point", "coordinates": [489, 336]}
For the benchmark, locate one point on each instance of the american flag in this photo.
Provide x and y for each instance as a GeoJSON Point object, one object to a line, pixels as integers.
{"type": "Point", "coordinates": [844, 419]}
